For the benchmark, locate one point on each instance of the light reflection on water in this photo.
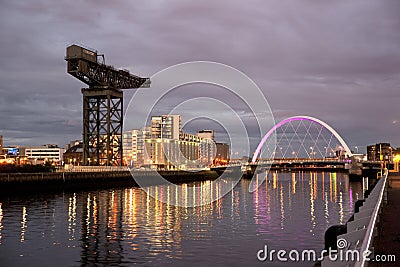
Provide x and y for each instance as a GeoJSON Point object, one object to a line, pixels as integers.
{"type": "Point", "coordinates": [125, 226]}
{"type": "Point", "coordinates": [1, 219]}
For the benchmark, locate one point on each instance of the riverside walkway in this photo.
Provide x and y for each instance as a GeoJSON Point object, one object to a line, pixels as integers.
{"type": "Point", "coordinates": [388, 240]}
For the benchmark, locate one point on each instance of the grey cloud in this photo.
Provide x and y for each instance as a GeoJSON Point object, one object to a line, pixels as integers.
{"type": "Point", "coordinates": [336, 60]}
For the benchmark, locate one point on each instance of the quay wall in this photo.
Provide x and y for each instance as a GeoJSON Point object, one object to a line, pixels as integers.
{"type": "Point", "coordinates": [15, 182]}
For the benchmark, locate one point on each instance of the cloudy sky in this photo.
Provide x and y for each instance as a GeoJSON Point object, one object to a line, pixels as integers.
{"type": "Point", "coordinates": [336, 60]}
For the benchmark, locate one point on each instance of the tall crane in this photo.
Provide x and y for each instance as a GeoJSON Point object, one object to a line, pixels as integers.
{"type": "Point", "coordinates": [102, 104]}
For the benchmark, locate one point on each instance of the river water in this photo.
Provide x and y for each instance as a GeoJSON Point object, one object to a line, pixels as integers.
{"type": "Point", "coordinates": [127, 227]}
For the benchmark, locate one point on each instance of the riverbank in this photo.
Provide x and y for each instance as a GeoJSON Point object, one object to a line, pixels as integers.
{"type": "Point", "coordinates": [93, 178]}
{"type": "Point", "coordinates": [22, 182]}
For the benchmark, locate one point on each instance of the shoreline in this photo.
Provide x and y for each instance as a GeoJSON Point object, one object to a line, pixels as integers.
{"type": "Point", "coordinates": [14, 183]}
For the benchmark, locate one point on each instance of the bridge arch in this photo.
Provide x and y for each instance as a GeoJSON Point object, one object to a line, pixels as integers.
{"type": "Point", "coordinates": [301, 118]}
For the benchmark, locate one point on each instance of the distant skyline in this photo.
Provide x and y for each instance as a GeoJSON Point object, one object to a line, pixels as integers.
{"type": "Point", "coordinates": [338, 61]}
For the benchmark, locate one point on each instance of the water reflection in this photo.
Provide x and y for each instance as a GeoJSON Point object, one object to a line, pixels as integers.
{"type": "Point", "coordinates": [329, 203]}
{"type": "Point", "coordinates": [1, 220]}
{"type": "Point", "coordinates": [72, 216]}
{"type": "Point", "coordinates": [281, 200]}
{"type": "Point", "coordinates": [129, 226]}
{"type": "Point", "coordinates": [23, 224]}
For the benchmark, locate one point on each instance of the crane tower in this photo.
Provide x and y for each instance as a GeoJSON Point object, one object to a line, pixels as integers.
{"type": "Point", "coordinates": [102, 104]}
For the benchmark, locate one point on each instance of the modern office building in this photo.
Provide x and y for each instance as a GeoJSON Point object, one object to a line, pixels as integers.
{"type": "Point", "coordinates": [42, 154]}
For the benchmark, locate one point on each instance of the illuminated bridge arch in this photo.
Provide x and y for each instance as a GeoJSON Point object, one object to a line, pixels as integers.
{"type": "Point", "coordinates": [301, 118]}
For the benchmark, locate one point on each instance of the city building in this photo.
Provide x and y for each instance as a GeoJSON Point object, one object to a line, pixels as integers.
{"type": "Point", "coordinates": [143, 135]}
{"type": "Point", "coordinates": [207, 147]}
{"type": "Point", "coordinates": [371, 152]}
{"type": "Point", "coordinates": [164, 145]}
{"type": "Point", "coordinates": [206, 134]}
{"type": "Point", "coordinates": [12, 151]}
{"type": "Point", "coordinates": [133, 146]}
{"type": "Point", "coordinates": [127, 147]}
{"type": "Point", "coordinates": [43, 154]}
{"type": "Point", "coordinates": [222, 155]}
{"type": "Point", "coordinates": [380, 152]}
{"type": "Point", "coordinates": [178, 152]}
{"type": "Point", "coordinates": [396, 159]}
{"type": "Point", "coordinates": [72, 143]}
{"type": "Point", "coordinates": [166, 126]}
{"type": "Point", "coordinates": [189, 149]}
{"type": "Point", "coordinates": [384, 152]}
{"type": "Point", "coordinates": [74, 154]}
{"type": "Point", "coordinates": [171, 154]}
{"type": "Point", "coordinates": [396, 153]}
{"type": "Point", "coordinates": [9, 155]}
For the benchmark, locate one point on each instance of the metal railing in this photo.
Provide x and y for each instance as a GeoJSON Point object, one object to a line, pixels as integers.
{"type": "Point", "coordinates": [368, 239]}
{"type": "Point", "coordinates": [361, 230]}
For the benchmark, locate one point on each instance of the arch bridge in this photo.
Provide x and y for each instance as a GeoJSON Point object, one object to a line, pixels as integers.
{"type": "Point", "coordinates": [324, 125]}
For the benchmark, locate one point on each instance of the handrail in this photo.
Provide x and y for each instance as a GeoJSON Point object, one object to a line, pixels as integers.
{"type": "Point", "coordinates": [368, 238]}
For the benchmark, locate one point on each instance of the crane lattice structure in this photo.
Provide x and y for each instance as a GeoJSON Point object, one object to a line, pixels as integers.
{"type": "Point", "coordinates": [102, 104]}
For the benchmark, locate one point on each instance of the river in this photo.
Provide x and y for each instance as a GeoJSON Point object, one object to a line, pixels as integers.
{"type": "Point", "coordinates": [126, 227]}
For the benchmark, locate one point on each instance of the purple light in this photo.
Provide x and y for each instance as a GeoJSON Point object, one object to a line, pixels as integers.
{"type": "Point", "coordinates": [299, 118]}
